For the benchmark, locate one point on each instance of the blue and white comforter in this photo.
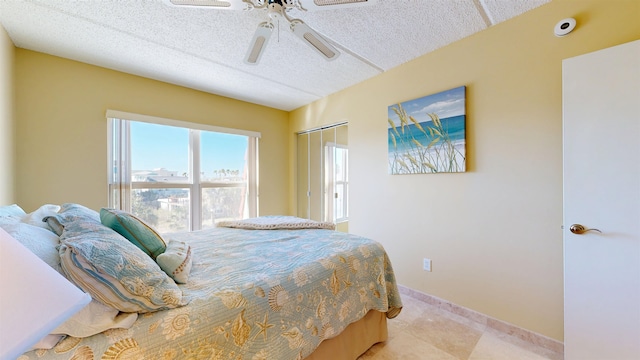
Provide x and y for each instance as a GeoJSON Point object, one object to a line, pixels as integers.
{"type": "Point", "coordinates": [255, 294]}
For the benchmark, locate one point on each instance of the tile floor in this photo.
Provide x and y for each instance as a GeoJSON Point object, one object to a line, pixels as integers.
{"type": "Point", "coordinates": [423, 331]}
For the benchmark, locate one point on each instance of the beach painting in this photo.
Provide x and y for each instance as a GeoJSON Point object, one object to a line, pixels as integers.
{"type": "Point", "coordinates": [427, 135]}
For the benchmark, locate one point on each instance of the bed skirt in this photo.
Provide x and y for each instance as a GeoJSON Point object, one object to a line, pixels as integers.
{"type": "Point", "coordinates": [355, 340]}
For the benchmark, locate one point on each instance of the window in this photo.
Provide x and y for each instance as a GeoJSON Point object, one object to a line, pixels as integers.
{"type": "Point", "coordinates": [180, 176]}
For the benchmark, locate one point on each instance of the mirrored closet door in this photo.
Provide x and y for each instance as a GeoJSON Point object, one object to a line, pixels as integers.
{"type": "Point", "coordinates": [322, 176]}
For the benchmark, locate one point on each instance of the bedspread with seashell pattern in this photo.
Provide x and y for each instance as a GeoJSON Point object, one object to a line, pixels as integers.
{"type": "Point", "coordinates": [255, 294]}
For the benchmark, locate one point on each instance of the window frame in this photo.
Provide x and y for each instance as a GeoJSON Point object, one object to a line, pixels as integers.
{"type": "Point", "coordinates": [331, 154]}
{"type": "Point", "coordinates": [120, 185]}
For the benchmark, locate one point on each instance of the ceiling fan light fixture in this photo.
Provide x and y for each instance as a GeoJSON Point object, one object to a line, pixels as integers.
{"type": "Point", "coordinates": [277, 11]}
{"type": "Point", "coordinates": [212, 3]}
{"type": "Point", "coordinates": [314, 40]}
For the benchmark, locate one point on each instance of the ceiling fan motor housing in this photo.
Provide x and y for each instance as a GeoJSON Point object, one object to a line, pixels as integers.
{"type": "Point", "coordinates": [275, 9]}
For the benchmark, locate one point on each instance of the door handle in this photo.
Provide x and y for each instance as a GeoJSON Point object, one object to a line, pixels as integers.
{"type": "Point", "coordinates": [579, 229]}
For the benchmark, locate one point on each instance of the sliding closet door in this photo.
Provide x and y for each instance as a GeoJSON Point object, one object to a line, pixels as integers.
{"type": "Point", "coordinates": [302, 176]}
{"type": "Point", "coordinates": [315, 176]}
{"type": "Point", "coordinates": [321, 176]}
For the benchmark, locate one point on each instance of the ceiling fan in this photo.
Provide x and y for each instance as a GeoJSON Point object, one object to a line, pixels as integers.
{"type": "Point", "coordinates": [277, 11]}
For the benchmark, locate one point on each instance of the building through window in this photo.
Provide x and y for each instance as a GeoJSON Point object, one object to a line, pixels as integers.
{"type": "Point", "coordinates": [179, 176]}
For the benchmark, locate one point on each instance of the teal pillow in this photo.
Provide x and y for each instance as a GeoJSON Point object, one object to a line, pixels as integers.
{"type": "Point", "coordinates": [135, 230]}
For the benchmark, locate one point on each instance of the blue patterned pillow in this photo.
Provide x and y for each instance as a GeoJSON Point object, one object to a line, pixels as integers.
{"type": "Point", "coordinates": [114, 271]}
{"type": "Point", "coordinates": [69, 212]}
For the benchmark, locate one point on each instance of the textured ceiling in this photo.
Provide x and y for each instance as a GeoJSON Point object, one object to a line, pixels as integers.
{"type": "Point", "coordinates": [204, 48]}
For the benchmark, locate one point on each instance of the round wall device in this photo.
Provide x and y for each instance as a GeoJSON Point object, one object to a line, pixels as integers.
{"type": "Point", "coordinates": [565, 26]}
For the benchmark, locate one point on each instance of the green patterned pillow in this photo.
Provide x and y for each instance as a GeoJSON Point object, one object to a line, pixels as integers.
{"type": "Point", "coordinates": [114, 271]}
{"type": "Point", "coordinates": [135, 230]}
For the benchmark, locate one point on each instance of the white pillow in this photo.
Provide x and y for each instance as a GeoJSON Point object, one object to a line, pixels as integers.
{"type": "Point", "coordinates": [176, 261]}
{"type": "Point", "coordinates": [36, 217]}
{"type": "Point", "coordinates": [12, 210]}
{"type": "Point", "coordinates": [92, 319]}
{"type": "Point", "coordinates": [11, 214]}
{"type": "Point", "coordinates": [8, 220]}
{"type": "Point", "coordinates": [95, 318]}
{"type": "Point", "coordinates": [40, 241]}
{"type": "Point", "coordinates": [47, 342]}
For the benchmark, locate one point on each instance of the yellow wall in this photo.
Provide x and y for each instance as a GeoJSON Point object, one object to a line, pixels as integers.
{"type": "Point", "coordinates": [6, 120]}
{"type": "Point", "coordinates": [62, 130]}
{"type": "Point", "coordinates": [493, 233]}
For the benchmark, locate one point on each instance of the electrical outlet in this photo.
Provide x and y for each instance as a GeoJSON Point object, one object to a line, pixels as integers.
{"type": "Point", "coordinates": [426, 264]}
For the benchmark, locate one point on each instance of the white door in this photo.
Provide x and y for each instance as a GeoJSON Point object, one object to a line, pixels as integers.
{"type": "Point", "coordinates": [601, 146]}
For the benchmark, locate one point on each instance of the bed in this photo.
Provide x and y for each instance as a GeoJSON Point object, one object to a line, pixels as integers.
{"type": "Point", "coordinates": [255, 291]}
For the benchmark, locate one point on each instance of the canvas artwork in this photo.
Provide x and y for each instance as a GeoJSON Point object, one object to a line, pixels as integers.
{"type": "Point", "coordinates": [427, 135]}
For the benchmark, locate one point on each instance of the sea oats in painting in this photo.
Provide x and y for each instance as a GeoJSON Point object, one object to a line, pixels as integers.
{"type": "Point", "coordinates": [427, 135]}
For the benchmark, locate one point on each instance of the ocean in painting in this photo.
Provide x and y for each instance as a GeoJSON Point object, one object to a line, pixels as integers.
{"type": "Point", "coordinates": [454, 126]}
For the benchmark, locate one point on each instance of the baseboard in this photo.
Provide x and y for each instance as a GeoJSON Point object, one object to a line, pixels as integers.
{"type": "Point", "coordinates": [485, 320]}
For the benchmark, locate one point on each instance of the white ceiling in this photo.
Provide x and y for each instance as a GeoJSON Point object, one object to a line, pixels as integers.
{"type": "Point", "coordinates": [203, 48]}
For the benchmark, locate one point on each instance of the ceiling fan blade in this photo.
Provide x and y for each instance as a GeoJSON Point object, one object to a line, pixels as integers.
{"type": "Point", "coordinates": [313, 5]}
{"type": "Point", "coordinates": [211, 4]}
{"type": "Point", "coordinates": [258, 43]}
{"type": "Point", "coordinates": [314, 40]}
